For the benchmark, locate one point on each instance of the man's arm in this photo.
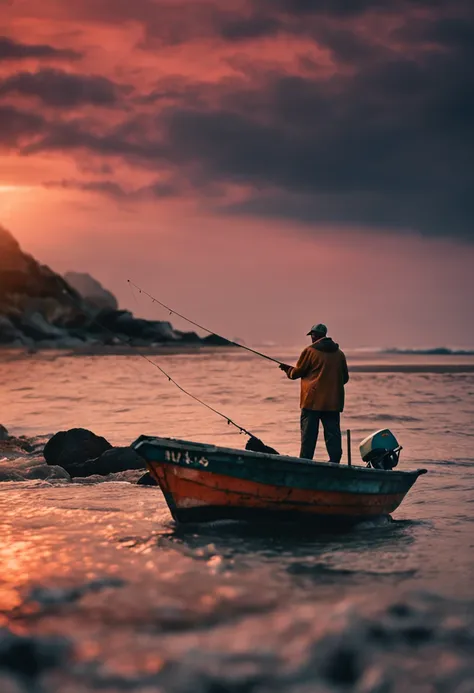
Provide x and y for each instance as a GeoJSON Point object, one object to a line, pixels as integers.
{"type": "Point", "coordinates": [301, 368]}
{"type": "Point", "coordinates": [345, 370]}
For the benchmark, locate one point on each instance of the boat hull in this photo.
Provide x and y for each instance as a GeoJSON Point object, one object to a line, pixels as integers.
{"type": "Point", "coordinates": [202, 483]}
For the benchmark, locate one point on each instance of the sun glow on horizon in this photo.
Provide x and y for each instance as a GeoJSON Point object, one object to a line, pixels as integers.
{"type": "Point", "coordinates": [14, 188]}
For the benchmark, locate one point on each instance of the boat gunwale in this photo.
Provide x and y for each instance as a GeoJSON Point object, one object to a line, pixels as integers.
{"type": "Point", "coordinates": [306, 465]}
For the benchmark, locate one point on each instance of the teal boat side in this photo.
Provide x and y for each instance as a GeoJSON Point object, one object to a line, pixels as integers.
{"type": "Point", "coordinates": [276, 470]}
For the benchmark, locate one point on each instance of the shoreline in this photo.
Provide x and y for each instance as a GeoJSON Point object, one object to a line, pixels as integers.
{"type": "Point", "coordinates": [416, 363]}
{"type": "Point", "coordinates": [116, 350]}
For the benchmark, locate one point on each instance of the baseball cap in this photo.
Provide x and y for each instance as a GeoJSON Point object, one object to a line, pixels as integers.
{"type": "Point", "coordinates": [319, 329]}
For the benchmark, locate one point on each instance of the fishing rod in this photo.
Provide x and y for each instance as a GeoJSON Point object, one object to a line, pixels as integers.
{"type": "Point", "coordinates": [201, 327]}
{"type": "Point", "coordinates": [230, 421]}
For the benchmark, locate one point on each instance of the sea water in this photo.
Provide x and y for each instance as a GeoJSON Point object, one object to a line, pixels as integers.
{"type": "Point", "coordinates": [99, 590]}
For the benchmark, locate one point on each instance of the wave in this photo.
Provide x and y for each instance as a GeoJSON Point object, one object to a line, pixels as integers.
{"type": "Point", "coordinates": [433, 351]}
{"type": "Point", "coordinates": [35, 468]}
{"type": "Point", "coordinates": [29, 468]}
{"type": "Point", "coordinates": [404, 418]}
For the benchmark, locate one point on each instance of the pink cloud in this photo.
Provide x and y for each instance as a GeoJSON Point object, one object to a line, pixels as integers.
{"type": "Point", "coordinates": [261, 154]}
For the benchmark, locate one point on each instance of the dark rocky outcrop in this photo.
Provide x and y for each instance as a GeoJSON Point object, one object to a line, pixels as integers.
{"type": "Point", "coordinates": [122, 322]}
{"type": "Point", "coordinates": [29, 656]}
{"type": "Point", "coordinates": [41, 309]}
{"type": "Point", "coordinates": [77, 453]}
{"type": "Point", "coordinates": [71, 449]}
{"type": "Point", "coordinates": [8, 332]}
{"type": "Point", "coordinates": [21, 459]}
{"type": "Point", "coordinates": [109, 462]}
{"type": "Point", "coordinates": [92, 291]}
{"type": "Point", "coordinates": [82, 454]}
{"type": "Point", "coordinates": [34, 301]}
{"type": "Point", "coordinates": [11, 446]}
{"type": "Point", "coordinates": [215, 340]}
{"type": "Point", "coordinates": [27, 467]}
{"type": "Point", "coordinates": [146, 480]}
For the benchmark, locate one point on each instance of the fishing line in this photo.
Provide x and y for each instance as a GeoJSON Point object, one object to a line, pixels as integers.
{"type": "Point", "coordinates": [230, 421]}
{"type": "Point", "coordinates": [201, 327]}
{"type": "Point", "coordinates": [134, 297]}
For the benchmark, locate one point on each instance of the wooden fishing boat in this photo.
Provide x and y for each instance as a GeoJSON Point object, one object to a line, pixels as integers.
{"type": "Point", "coordinates": [204, 482]}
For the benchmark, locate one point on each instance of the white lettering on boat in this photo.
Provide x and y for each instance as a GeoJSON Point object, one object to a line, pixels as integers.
{"type": "Point", "coordinates": [184, 457]}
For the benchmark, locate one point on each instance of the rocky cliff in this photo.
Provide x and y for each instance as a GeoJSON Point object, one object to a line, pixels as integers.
{"type": "Point", "coordinates": [91, 291]}
{"type": "Point", "coordinates": [40, 309]}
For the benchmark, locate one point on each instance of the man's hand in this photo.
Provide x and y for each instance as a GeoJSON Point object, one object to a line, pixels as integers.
{"type": "Point", "coordinates": [285, 367]}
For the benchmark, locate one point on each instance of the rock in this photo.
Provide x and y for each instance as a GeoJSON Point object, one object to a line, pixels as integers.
{"type": "Point", "coordinates": [39, 307]}
{"type": "Point", "coordinates": [31, 655]}
{"type": "Point", "coordinates": [35, 302]}
{"type": "Point", "coordinates": [36, 327]}
{"type": "Point", "coordinates": [146, 480]}
{"type": "Point", "coordinates": [215, 340]}
{"type": "Point", "coordinates": [130, 476]}
{"type": "Point", "coordinates": [8, 331]}
{"type": "Point", "coordinates": [69, 343]}
{"type": "Point", "coordinates": [27, 286]}
{"type": "Point", "coordinates": [132, 327]}
{"type": "Point", "coordinates": [38, 470]}
{"type": "Point", "coordinates": [122, 322]}
{"type": "Point", "coordinates": [119, 460]}
{"type": "Point", "coordinates": [21, 459]}
{"type": "Point", "coordinates": [163, 331]}
{"type": "Point", "coordinates": [144, 329]}
{"type": "Point", "coordinates": [107, 319]}
{"type": "Point", "coordinates": [92, 291]}
{"type": "Point", "coordinates": [74, 447]}
{"type": "Point", "coordinates": [12, 448]}
{"type": "Point", "coordinates": [79, 322]}
{"type": "Point", "coordinates": [189, 337]}
{"type": "Point", "coordinates": [110, 462]}
{"type": "Point", "coordinates": [11, 257]}
{"type": "Point", "coordinates": [30, 468]}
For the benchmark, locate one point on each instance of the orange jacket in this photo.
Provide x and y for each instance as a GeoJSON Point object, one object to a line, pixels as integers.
{"type": "Point", "coordinates": [322, 368]}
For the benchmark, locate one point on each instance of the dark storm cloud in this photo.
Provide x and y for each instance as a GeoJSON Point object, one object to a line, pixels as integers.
{"type": "Point", "coordinates": [244, 28]}
{"type": "Point", "coordinates": [13, 50]}
{"type": "Point", "coordinates": [64, 90]}
{"type": "Point", "coordinates": [342, 8]}
{"type": "Point", "coordinates": [384, 138]}
{"type": "Point", "coordinates": [390, 145]}
{"type": "Point", "coordinates": [174, 22]}
{"type": "Point", "coordinates": [17, 125]}
{"type": "Point", "coordinates": [104, 187]}
{"type": "Point", "coordinates": [109, 188]}
{"type": "Point", "coordinates": [128, 141]}
{"type": "Point", "coordinates": [447, 216]}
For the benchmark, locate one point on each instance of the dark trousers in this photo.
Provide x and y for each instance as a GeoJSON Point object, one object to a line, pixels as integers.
{"type": "Point", "coordinates": [331, 421]}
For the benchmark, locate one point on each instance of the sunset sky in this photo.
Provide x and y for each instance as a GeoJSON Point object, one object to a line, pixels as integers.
{"type": "Point", "coordinates": [261, 165]}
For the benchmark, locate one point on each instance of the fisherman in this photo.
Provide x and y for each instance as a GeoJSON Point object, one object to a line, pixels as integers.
{"type": "Point", "coordinates": [322, 368]}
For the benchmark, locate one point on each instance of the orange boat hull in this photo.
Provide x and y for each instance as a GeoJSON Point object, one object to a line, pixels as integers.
{"type": "Point", "coordinates": [201, 493]}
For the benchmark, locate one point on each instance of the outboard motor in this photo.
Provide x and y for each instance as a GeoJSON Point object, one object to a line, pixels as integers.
{"type": "Point", "coordinates": [380, 450]}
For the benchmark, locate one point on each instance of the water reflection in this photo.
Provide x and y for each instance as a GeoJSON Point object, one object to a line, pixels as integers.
{"type": "Point", "coordinates": [145, 605]}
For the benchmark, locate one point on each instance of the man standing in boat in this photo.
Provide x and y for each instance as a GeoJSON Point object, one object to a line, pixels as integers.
{"type": "Point", "coordinates": [322, 368]}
